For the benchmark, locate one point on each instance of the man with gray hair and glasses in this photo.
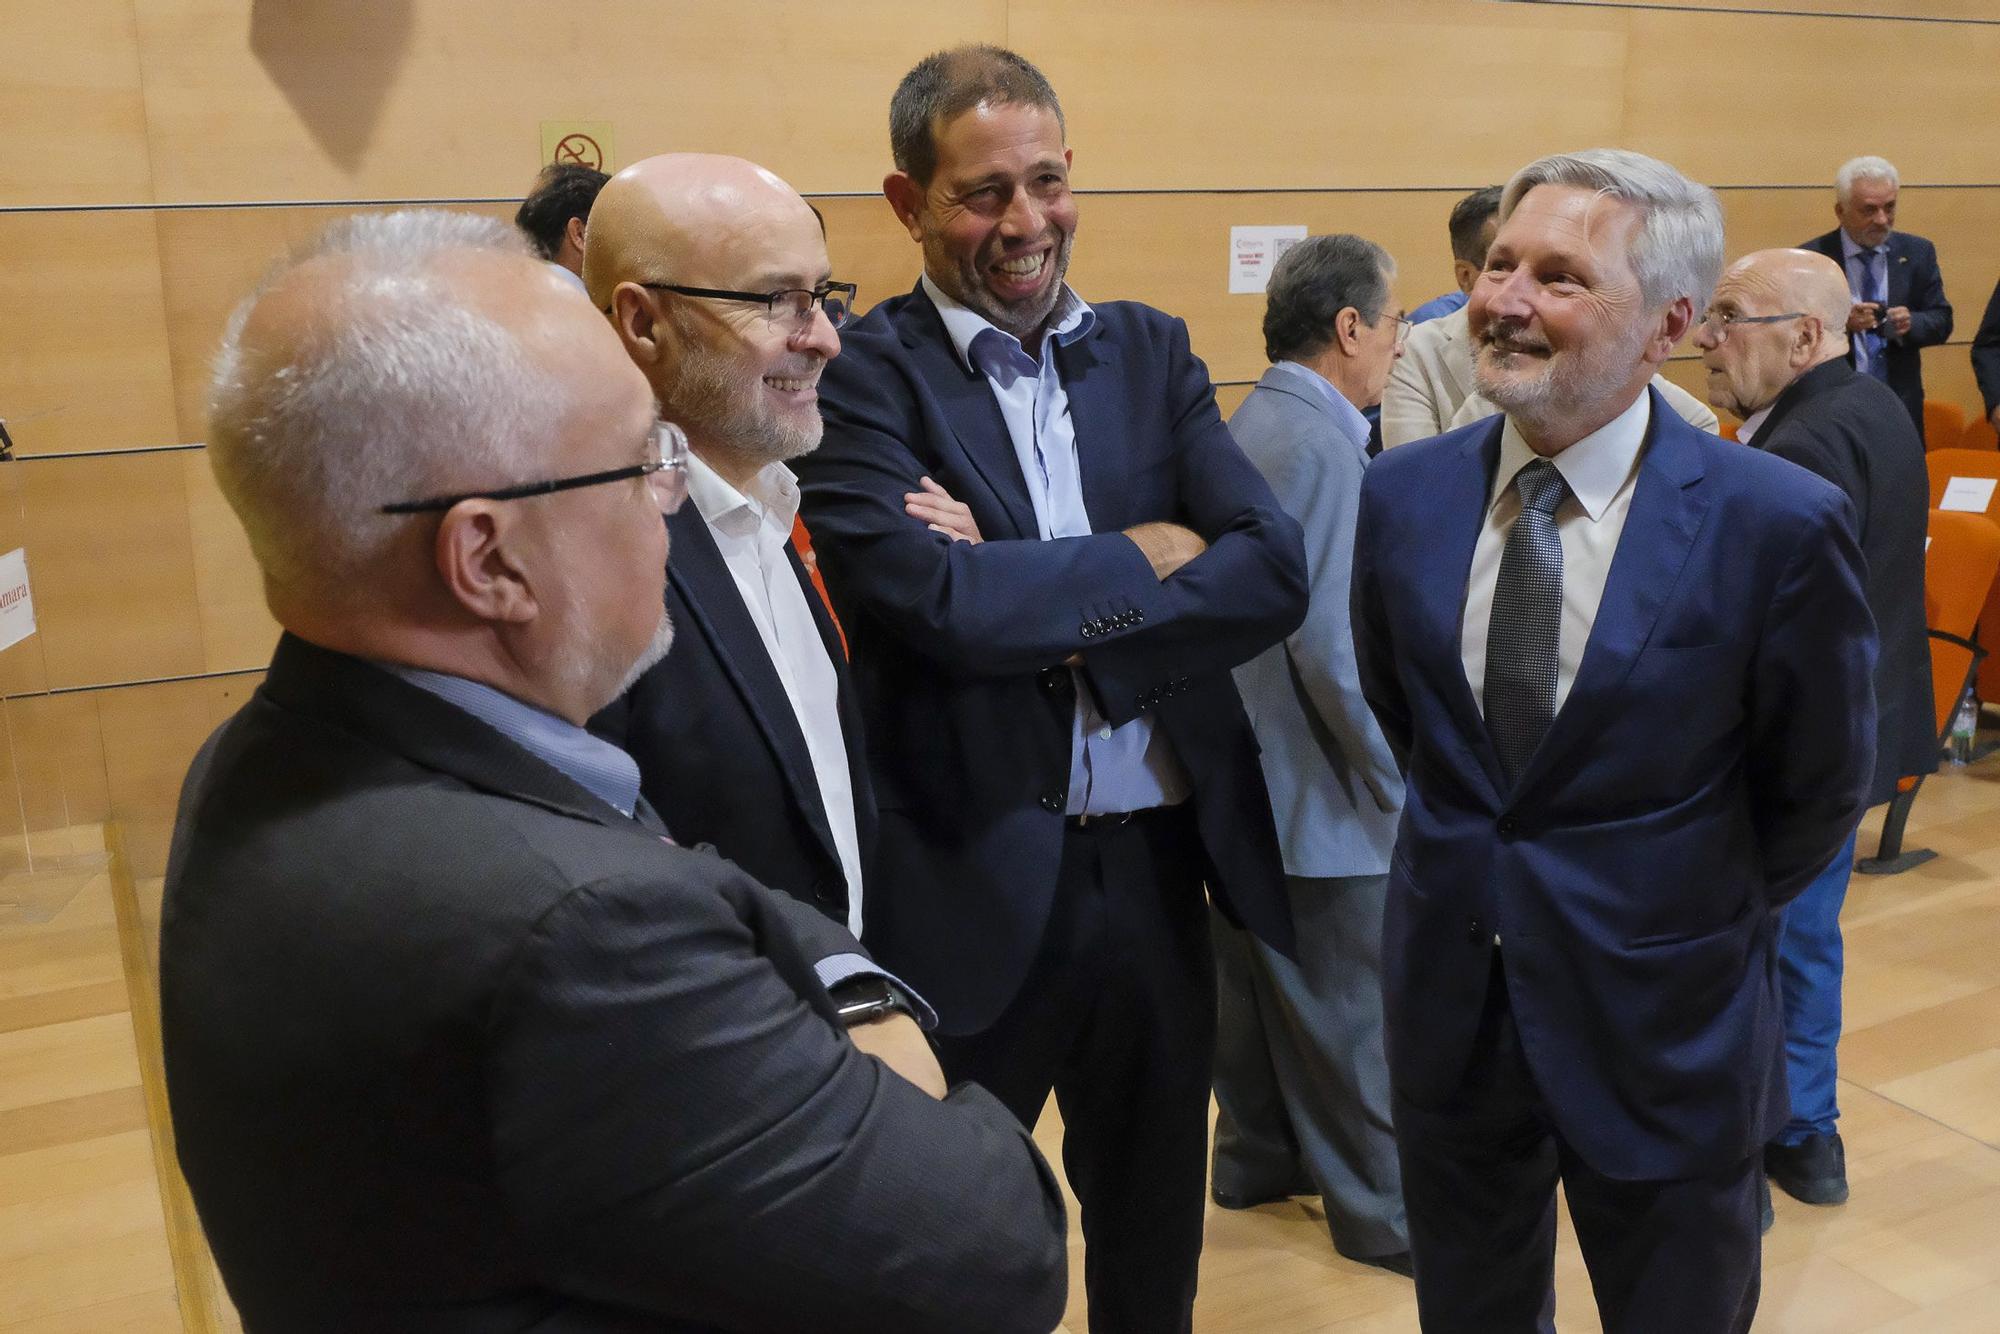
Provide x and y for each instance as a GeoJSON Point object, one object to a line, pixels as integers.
{"type": "Point", "coordinates": [456, 1038]}
{"type": "Point", "coordinates": [1300, 1081]}
{"type": "Point", "coordinates": [1899, 307]}
{"type": "Point", "coordinates": [1628, 667]}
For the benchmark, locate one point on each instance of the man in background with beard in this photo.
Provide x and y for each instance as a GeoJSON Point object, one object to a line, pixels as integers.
{"type": "Point", "coordinates": [715, 275]}
{"type": "Point", "coordinates": [1628, 667]}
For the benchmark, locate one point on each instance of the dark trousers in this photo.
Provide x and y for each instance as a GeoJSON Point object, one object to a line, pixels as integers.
{"type": "Point", "coordinates": [1117, 1017]}
{"type": "Point", "coordinates": [1479, 1177]}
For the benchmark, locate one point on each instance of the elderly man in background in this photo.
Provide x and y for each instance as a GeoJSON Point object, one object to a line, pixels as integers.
{"type": "Point", "coordinates": [716, 278]}
{"type": "Point", "coordinates": [1300, 1079]}
{"type": "Point", "coordinates": [1431, 386]}
{"type": "Point", "coordinates": [555, 217]}
{"type": "Point", "coordinates": [456, 1037]}
{"type": "Point", "coordinates": [1775, 344]}
{"type": "Point", "coordinates": [1898, 307]}
{"type": "Point", "coordinates": [1630, 668]}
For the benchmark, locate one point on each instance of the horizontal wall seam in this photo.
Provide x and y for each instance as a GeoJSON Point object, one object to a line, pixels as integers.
{"type": "Point", "coordinates": [127, 685]}
{"type": "Point", "coordinates": [1162, 191]}
{"type": "Point", "coordinates": [1760, 12]}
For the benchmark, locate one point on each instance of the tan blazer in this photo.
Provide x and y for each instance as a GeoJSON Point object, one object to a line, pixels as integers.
{"type": "Point", "coordinates": [1430, 388]}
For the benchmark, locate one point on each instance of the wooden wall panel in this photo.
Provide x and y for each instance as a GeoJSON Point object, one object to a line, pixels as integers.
{"type": "Point", "coordinates": [83, 344]}
{"type": "Point", "coordinates": [70, 101]}
{"type": "Point", "coordinates": [236, 628]}
{"type": "Point", "coordinates": [113, 567]}
{"type": "Point", "coordinates": [151, 734]}
{"type": "Point", "coordinates": [1275, 93]}
{"type": "Point", "coordinates": [52, 774]}
{"type": "Point", "coordinates": [1976, 10]}
{"type": "Point", "coordinates": [422, 100]}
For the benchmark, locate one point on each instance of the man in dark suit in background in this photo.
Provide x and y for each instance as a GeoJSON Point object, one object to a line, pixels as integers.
{"type": "Point", "coordinates": [1898, 306]}
{"type": "Point", "coordinates": [456, 1038]}
{"type": "Point", "coordinates": [1300, 1081]}
{"type": "Point", "coordinates": [1629, 665]}
{"type": "Point", "coordinates": [1774, 341]}
{"type": "Point", "coordinates": [1986, 358]}
{"type": "Point", "coordinates": [716, 278]}
{"type": "Point", "coordinates": [1060, 756]}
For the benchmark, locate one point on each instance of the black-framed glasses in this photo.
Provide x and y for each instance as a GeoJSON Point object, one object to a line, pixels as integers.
{"type": "Point", "coordinates": [1719, 324]}
{"type": "Point", "coordinates": [790, 308]}
{"type": "Point", "coordinates": [665, 472]}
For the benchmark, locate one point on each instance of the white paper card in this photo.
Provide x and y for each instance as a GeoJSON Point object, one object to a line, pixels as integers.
{"type": "Point", "coordinates": [17, 605]}
{"type": "Point", "coordinates": [1972, 494]}
{"type": "Point", "coordinates": [1252, 252]}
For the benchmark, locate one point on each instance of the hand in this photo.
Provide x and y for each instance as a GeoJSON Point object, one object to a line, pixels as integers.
{"type": "Point", "coordinates": [1861, 316]}
{"type": "Point", "coordinates": [897, 1042]}
{"type": "Point", "coordinates": [936, 510]}
{"type": "Point", "coordinates": [1166, 546]}
{"type": "Point", "coordinates": [1898, 320]}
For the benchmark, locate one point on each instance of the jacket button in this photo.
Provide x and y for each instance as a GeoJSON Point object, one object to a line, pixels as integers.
{"type": "Point", "coordinates": [1052, 802]}
{"type": "Point", "coordinates": [1054, 680]}
{"type": "Point", "coordinates": [1475, 930]}
{"type": "Point", "coordinates": [1508, 826]}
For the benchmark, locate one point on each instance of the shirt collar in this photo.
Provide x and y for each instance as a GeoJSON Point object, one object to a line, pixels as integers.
{"type": "Point", "coordinates": [591, 762]}
{"type": "Point", "coordinates": [1595, 468]}
{"type": "Point", "coordinates": [773, 496]}
{"type": "Point", "coordinates": [1754, 423]}
{"type": "Point", "coordinates": [972, 333]}
{"type": "Point", "coordinates": [1849, 247]}
{"type": "Point", "coordinates": [1351, 419]}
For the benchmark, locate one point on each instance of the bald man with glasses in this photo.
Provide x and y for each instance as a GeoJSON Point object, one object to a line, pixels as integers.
{"type": "Point", "coordinates": [714, 274]}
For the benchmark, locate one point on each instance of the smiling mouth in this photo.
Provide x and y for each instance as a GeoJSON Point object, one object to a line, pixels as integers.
{"type": "Point", "coordinates": [1023, 271]}
{"type": "Point", "coordinates": [793, 384]}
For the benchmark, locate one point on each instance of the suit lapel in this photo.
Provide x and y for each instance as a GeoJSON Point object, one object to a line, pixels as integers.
{"type": "Point", "coordinates": [1457, 496]}
{"type": "Point", "coordinates": [1089, 370]}
{"type": "Point", "coordinates": [1896, 290]}
{"type": "Point", "coordinates": [966, 401]}
{"type": "Point", "coordinates": [713, 602]}
{"type": "Point", "coordinates": [1668, 507]}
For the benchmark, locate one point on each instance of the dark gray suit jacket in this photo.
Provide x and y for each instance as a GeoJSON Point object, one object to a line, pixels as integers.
{"type": "Point", "coordinates": [452, 1045]}
{"type": "Point", "coordinates": [1914, 282]}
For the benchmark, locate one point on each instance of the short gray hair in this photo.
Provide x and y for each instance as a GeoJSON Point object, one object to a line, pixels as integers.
{"type": "Point", "coordinates": [1312, 283]}
{"type": "Point", "coordinates": [1864, 168]}
{"type": "Point", "coordinates": [1678, 249]}
{"type": "Point", "coordinates": [401, 390]}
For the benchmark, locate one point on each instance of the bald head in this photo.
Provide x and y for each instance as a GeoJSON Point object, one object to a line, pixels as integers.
{"type": "Point", "coordinates": [1786, 313]}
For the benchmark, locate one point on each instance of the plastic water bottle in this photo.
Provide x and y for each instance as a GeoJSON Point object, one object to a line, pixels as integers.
{"type": "Point", "coordinates": [1964, 726]}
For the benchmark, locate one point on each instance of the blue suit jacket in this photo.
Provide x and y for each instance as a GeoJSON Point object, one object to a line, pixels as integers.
{"type": "Point", "coordinates": [957, 648]}
{"type": "Point", "coordinates": [1914, 281]}
{"type": "Point", "coordinates": [1711, 757]}
{"type": "Point", "coordinates": [721, 755]}
{"type": "Point", "coordinates": [1335, 788]}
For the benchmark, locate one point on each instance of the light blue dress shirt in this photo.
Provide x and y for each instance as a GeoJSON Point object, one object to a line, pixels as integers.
{"type": "Point", "coordinates": [1111, 769]}
{"type": "Point", "coordinates": [1857, 284]}
{"type": "Point", "coordinates": [1438, 307]}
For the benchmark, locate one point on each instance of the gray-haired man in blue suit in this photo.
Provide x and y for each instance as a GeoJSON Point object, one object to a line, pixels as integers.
{"type": "Point", "coordinates": [1300, 1074]}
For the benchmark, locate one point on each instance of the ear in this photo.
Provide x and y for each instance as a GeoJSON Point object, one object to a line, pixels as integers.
{"type": "Point", "coordinates": [475, 559]}
{"type": "Point", "coordinates": [1674, 326]}
{"type": "Point", "coordinates": [1806, 340]}
{"type": "Point", "coordinates": [632, 315]}
{"type": "Point", "coordinates": [906, 197]}
{"type": "Point", "coordinates": [1347, 330]}
{"type": "Point", "coordinates": [1465, 272]}
{"type": "Point", "coordinates": [573, 232]}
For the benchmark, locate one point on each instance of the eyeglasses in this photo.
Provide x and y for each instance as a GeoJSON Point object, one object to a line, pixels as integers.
{"type": "Point", "coordinates": [1403, 324]}
{"type": "Point", "coordinates": [665, 472]}
{"type": "Point", "coordinates": [790, 309]}
{"type": "Point", "coordinates": [1719, 325]}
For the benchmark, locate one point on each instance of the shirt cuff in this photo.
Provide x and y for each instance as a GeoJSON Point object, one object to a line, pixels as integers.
{"type": "Point", "coordinates": [838, 968]}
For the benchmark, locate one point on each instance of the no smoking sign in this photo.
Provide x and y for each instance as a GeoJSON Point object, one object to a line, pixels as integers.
{"type": "Point", "coordinates": [585, 143]}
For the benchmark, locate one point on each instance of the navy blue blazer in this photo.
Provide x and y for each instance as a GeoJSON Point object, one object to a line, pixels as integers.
{"type": "Point", "coordinates": [720, 753]}
{"type": "Point", "coordinates": [957, 648]}
{"type": "Point", "coordinates": [1710, 759]}
{"type": "Point", "coordinates": [1914, 281]}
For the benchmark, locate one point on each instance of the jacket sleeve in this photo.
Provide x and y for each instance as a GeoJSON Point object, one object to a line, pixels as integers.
{"type": "Point", "coordinates": [1930, 313]}
{"type": "Point", "coordinates": [681, 1130]}
{"type": "Point", "coordinates": [1812, 704]}
{"type": "Point", "coordinates": [1007, 606]}
{"type": "Point", "coordinates": [1986, 353]}
{"type": "Point", "coordinates": [1411, 402]}
{"type": "Point", "coordinates": [1374, 650]}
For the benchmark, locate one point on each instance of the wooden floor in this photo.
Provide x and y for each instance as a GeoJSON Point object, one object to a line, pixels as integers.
{"type": "Point", "coordinates": [93, 1237]}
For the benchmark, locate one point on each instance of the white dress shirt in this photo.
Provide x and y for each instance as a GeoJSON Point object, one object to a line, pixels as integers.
{"type": "Point", "coordinates": [1600, 471]}
{"type": "Point", "coordinates": [752, 532]}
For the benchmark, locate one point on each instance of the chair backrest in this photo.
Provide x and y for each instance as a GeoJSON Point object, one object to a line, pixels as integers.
{"type": "Point", "coordinates": [1979, 434]}
{"type": "Point", "coordinates": [1726, 429]}
{"type": "Point", "coordinates": [1969, 466]}
{"type": "Point", "coordinates": [1944, 423]}
{"type": "Point", "coordinates": [1961, 557]}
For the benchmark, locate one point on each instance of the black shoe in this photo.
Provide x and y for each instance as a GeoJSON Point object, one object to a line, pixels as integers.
{"type": "Point", "coordinates": [1229, 1199]}
{"type": "Point", "coordinates": [1396, 1262]}
{"type": "Point", "coordinates": [1813, 1171]}
{"type": "Point", "coordinates": [1766, 1215]}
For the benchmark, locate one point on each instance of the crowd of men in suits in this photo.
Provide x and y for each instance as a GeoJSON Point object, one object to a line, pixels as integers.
{"type": "Point", "coordinates": [1469, 820]}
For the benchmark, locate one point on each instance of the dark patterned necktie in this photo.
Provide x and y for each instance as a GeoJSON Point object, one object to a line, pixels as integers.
{"type": "Point", "coordinates": [1872, 339]}
{"type": "Point", "coordinates": [1523, 640]}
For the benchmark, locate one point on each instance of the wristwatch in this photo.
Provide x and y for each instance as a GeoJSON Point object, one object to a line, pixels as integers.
{"type": "Point", "coordinates": [864, 999]}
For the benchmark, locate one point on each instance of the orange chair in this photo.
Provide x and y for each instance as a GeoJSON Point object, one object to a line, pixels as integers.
{"type": "Point", "coordinates": [1945, 464]}
{"type": "Point", "coordinates": [1944, 424]}
{"type": "Point", "coordinates": [1979, 434]}
{"type": "Point", "coordinates": [1960, 562]}
{"type": "Point", "coordinates": [1726, 429]}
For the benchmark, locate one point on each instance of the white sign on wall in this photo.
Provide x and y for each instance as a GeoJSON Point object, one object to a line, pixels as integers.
{"type": "Point", "coordinates": [1252, 252]}
{"type": "Point", "coordinates": [17, 605]}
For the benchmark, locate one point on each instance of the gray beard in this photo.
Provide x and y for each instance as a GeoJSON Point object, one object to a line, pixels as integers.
{"type": "Point", "coordinates": [1569, 384]}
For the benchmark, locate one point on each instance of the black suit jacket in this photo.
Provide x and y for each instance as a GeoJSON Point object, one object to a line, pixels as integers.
{"type": "Point", "coordinates": [720, 753]}
{"type": "Point", "coordinates": [957, 646]}
{"type": "Point", "coordinates": [453, 1046]}
{"type": "Point", "coordinates": [1914, 281]}
{"type": "Point", "coordinates": [1850, 429]}
{"type": "Point", "coordinates": [1986, 353]}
